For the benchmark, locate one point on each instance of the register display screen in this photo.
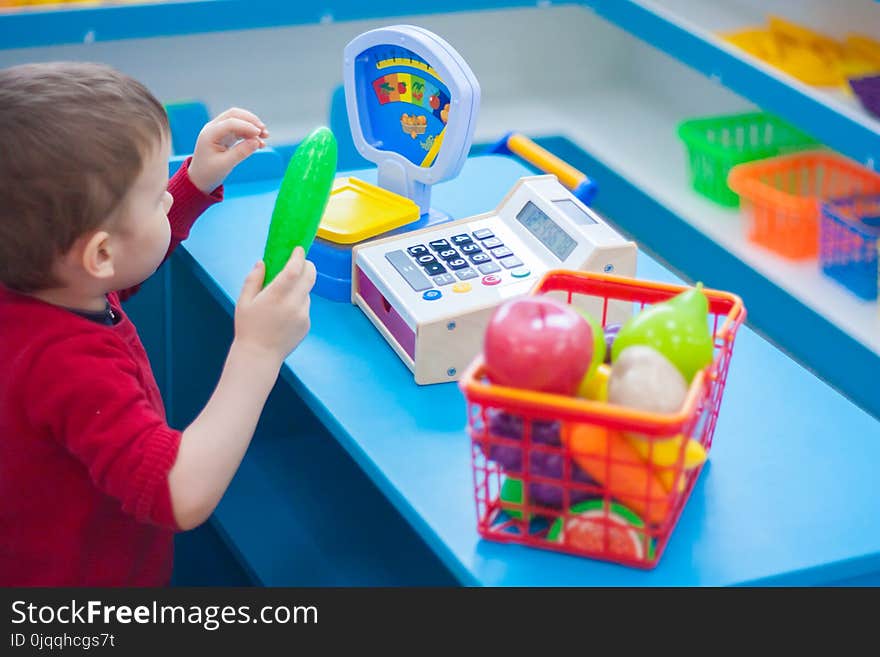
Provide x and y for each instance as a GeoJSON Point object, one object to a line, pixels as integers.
{"type": "Point", "coordinates": [574, 211]}
{"type": "Point", "coordinates": [546, 231]}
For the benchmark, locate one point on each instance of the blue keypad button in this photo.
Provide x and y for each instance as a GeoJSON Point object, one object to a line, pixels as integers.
{"type": "Point", "coordinates": [458, 263]}
{"type": "Point", "coordinates": [470, 248]}
{"type": "Point", "coordinates": [522, 272]}
{"type": "Point", "coordinates": [489, 268]}
{"type": "Point", "coordinates": [501, 252]}
{"type": "Point", "coordinates": [492, 242]}
{"type": "Point", "coordinates": [465, 274]}
{"type": "Point", "coordinates": [426, 259]}
{"type": "Point", "coordinates": [443, 279]}
{"type": "Point", "coordinates": [478, 258]}
{"type": "Point", "coordinates": [434, 269]}
{"type": "Point", "coordinates": [438, 245]}
{"type": "Point", "coordinates": [417, 250]}
{"type": "Point", "coordinates": [511, 262]}
{"type": "Point", "coordinates": [483, 233]}
{"type": "Point", "coordinates": [448, 254]}
{"type": "Point", "coordinates": [432, 295]}
{"type": "Point", "coordinates": [462, 239]}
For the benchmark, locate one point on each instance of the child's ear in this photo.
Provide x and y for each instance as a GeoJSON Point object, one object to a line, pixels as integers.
{"type": "Point", "coordinates": [97, 255]}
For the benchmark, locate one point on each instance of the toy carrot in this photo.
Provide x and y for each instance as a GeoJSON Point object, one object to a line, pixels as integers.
{"type": "Point", "coordinates": [610, 459]}
{"type": "Point", "coordinates": [301, 200]}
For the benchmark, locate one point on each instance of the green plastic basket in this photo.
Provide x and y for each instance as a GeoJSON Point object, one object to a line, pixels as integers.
{"type": "Point", "coordinates": [715, 144]}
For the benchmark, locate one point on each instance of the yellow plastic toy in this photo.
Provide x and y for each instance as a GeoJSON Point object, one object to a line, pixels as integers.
{"type": "Point", "coordinates": [358, 210]}
{"type": "Point", "coordinates": [808, 55]}
{"type": "Point", "coordinates": [595, 387]}
{"type": "Point", "coordinates": [865, 47]}
{"type": "Point", "coordinates": [665, 455]}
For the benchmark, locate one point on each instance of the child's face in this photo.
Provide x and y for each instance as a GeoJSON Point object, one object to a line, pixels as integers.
{"type": "Point", "coordinates": [141, 233]}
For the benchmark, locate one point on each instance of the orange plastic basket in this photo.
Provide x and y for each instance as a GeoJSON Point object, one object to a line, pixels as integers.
{"type": "Point", "coordinates": [781, 197]}
{"type": "Point", "coordinates": [586, 497]}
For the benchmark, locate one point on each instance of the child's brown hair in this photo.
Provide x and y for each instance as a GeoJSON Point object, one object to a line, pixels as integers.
{"type": "Point", "coordinates": [73, 138]}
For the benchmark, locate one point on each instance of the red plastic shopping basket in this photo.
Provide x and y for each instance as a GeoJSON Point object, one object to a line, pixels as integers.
{"type": "Point", "coordinates": [555, 472]}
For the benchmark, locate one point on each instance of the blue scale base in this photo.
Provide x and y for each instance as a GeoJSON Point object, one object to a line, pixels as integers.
{"type": "Point", "coordinates": [333, 261]}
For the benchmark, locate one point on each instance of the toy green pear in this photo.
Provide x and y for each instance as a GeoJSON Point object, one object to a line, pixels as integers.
{"type": "Point", "coordinates": [677, 328]}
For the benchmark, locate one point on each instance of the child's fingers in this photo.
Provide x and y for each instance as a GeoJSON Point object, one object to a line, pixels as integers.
{"type": "Point", "coordinates": [253, 283]}
{"type": "Point", "coordinates": [242, 150]}
{"type": "Point", "coordinates": [306, 280]}
{"type": "Point", "coordinates": [222, 131]}
{"type": "Point", "coordinates": [245, 115]}
{"type": "Point", "coordinates": [288, 276]}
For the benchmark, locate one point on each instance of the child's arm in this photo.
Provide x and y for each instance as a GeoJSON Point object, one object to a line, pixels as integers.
{"type": "Point", "coordinates": [269, 324]}
{"type": "Point", "coordinates": [87, 393]}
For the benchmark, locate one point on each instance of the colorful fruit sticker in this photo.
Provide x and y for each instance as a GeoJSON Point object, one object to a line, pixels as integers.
{"type": "Point", "coordinates": [404, 87]}
{"type": "Point", "coordinates": [418, 91]}
{"type": "Point", "coordinates": [383, 90]}
{"type": "Point", "coordinates": [588, 523]}
{"type": "Point", "coordinates": [387, 88]}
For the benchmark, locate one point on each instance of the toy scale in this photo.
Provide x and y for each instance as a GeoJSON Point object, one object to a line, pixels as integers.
{"type": "Point", "coordinates": [412, 103]}
{"type": "Point", "coordinates": [431, 292]}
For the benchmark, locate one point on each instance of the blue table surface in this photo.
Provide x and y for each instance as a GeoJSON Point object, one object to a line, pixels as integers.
{"type": "Point", "coordinates": [788, 496]}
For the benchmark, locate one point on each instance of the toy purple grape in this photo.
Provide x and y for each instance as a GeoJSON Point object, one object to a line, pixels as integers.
{"type": "Point", "coordinates": [505, 425]}
{"type": "Point", "coordinates": [549, 465]}
{"type": "Point", "coordinates": [610, 334]}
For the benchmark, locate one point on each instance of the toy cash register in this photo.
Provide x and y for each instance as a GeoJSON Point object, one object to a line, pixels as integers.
{"type": "Point", "coordinates": [412, 103]}
{"type": "Point", "coordinates": [431, 292]}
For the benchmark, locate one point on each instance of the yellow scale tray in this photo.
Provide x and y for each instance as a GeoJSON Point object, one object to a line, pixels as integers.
{"type": "Point", "coordinates": [358, 210]}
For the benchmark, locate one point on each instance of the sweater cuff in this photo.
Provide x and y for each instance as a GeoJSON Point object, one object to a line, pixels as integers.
{"type": "Point", "coordinates": [189, 200]}
{"type": "Point", "coordinates": [153, 505]}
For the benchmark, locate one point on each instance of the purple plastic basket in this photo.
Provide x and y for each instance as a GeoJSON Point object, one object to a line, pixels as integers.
{"type": "Point", "coordinates": [868, 91]}
{"type": "Point", "coordinates": [848, 239]}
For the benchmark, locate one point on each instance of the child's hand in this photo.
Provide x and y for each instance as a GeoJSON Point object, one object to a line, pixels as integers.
{"type": "Point", "coordinates": [272, 322]}
{"type": "Point", "coordinates": [224, 142]}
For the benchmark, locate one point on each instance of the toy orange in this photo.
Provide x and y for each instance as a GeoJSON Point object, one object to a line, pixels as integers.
{"type": "Point", "coordinates": [610, 459]}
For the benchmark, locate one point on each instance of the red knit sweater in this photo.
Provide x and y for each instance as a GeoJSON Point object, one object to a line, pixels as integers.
{"type": "Point", "coordinates": [84, 447]}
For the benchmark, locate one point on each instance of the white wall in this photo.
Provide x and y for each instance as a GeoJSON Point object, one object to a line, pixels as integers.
{"type": "Point", "coordinates": [530, 62]}
{"type": "Point", "coordinates": [287, 74]}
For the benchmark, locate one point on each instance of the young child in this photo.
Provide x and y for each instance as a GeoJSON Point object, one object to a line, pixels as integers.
{"type": "Point", "coordinates": [93, 482]}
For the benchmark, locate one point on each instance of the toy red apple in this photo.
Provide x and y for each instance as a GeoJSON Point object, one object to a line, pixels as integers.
{"type": "Point", "coordinates": [435, 102]}
{"type": "Point", "coordinates": [539, 344]}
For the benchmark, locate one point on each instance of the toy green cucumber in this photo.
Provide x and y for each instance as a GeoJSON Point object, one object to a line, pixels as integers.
{"type": "Point", "coordinates": [301, 200]}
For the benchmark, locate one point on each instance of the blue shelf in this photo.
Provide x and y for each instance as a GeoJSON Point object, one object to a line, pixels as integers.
{"type": "Point", "coordinates": [848, 130]}
{"type": "Point", "coordinates": [26, 29]}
